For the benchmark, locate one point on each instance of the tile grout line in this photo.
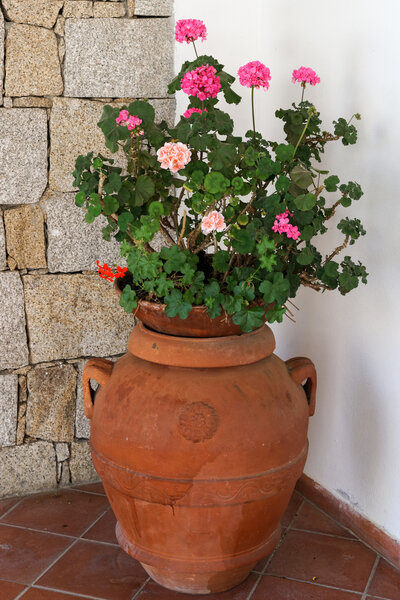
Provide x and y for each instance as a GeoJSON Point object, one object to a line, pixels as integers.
{"type": "Point", "coordinates": [348, 529]}
{"type": "Point", "coordinates": [73, 594]}
{"type": "Point", "coordinates": [76, 540]}
{"type": "Point", "coordinates": [140, 590]}
{"type": "Point", "coordinates": [332, 535]}
{"type": "Point", "coordinates": [371, 576]}
{"type": "Point", "coordinates": [316, 584]}
{"type": "Point", "coordinates": [271, 556]}
{"type": "Point", "coordinates": [11, 508]}
{"type": "Point", "coordinates": [64, 535]}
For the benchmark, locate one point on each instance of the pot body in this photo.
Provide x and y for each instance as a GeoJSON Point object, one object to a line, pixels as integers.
{"type": "Point", "coordinates": [199, 443]}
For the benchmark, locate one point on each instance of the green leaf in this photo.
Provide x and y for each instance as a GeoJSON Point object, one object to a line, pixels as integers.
{"type": "Point", "coordinates": [347, 282]}
{"type": "Point", "coordinates": [301, 177]}
{"type": "Point", "coordinates": [220, 261]}
{"type": "Point", "coordinates": [243, 241]}
{"type": "Point", "coordinates": [222, 156]}
{"type": "Point", "coordinates": [111, 205]}
{"type": "Point", "coordinates": [211, 290]}
{"type": "Point", "coordinates": [331, 183]}
{"type": "Point", "coordinates": [174, 258]}
{"type": "Point", "coordinates": [176, 305]}
{"type": "Point", "coordinates": [113, 183]}
{"type": "Point", "coordinates": [345, 202]}
{"type": "Point", "coordinates": [156, 210]}
{"type": "Point", "coordinates": [97, 163]}
{"type": "Point", "coordinates": [215, 182]}
{"type": "Point", "coordinates": [144, 189]}
{"type": "Point", "coordinates": [331, 268]}
{"type": "Point", "coordinates": [305, 202]}
{"type": "Point", "coordinates": [249, 318]}
{"type": "Point", "coordinates": [143, 110]}
{"type": "Point", "coordinates": [275, 288]}
{"type": "Point", "coordinates": [163, 285]}
{"type": "Point", "coordinates": [128, 299]}
{"type": "Point", "coordinates": [123, 220]}
{"type": "Point", "coordinates": [284, 152]}
{"type": "Point", "coordinates": [282, 183]}
{"type": "Point", "coordinates": [250, 156]}
{"type": "Point", "coordinates": [305, 257]}
{"type": "Point", "coordinates": [267, 167]}
{"type": "Point", "coordinates": [80, 199]}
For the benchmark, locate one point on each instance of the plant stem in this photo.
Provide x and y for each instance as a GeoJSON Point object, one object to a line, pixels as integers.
{"type": "Point", "coordinates": [303, 85]}
{"type": "Point", "coordinates": [301, 137]}
{"type": "Point", "coordinates": [252, 113]}
{"type": "Point", "coordinates": [194, 46]}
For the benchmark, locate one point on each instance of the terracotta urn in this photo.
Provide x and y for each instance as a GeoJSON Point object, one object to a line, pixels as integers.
{"type": "Point", "coordinates": [199, 434]}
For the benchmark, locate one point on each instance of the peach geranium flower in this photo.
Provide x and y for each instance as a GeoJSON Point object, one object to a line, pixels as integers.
{"type": "Point", "coordinates": [173, 156]}
{"type": "Point", "coordinates": [214, 221]}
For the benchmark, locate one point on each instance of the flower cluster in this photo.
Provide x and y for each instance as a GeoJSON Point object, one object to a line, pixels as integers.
{"type": "Point", "coordinates": [201, 82]}
{"type": "Point", "coordinates": [190, 111]}
{"type": "Point", "coordinates": [131, 121]}
{"type": "Point", "coordinates": [214, 221]}
{"type": "Point", "coordinates": [189, 30]}
{"type": "Point", "coordinates": [282, 225]}
{"type": "Point", "coordinates": [254, 74]}
{"type": "Point", "coordinates": [305, 75]}
{"type": "Point", "coordinates": [173, 156]}
{"type": "Point", "coordinates": [106, 273]}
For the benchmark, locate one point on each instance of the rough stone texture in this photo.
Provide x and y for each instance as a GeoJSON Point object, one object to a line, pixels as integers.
{"type": "Point", "coordinates": [32, 102]}
{"type": "Point", "coordinates": [1, 53]}
{"type": "Point", "coordinates": [27, 468]}
{"type": "Point", "coordinates": [62, 452]}
{"type": "Point", "coordinates": [51, 403]}
{"type": "Point", "coordinates": [34, 12]}
{"type": "Point", "coordinates": [7, 102]}
{"type": "Point", "coordinates": [61, 49]}
{"type": "Point", "coordinates": [23, 155]}
{"type": "Point", "coordinates": [130, 8]}
{"type": "Point", "coordinates": [82, 424]}
{"type": "Point", "coordinates": [8, 409]}
{"type": "Point", "coordinates": [105, 10]}
{"type": "Point", "coordinates": [3, 259]}
{"type": "Point", "coordinates": [78, 9]}
{"type": "Point", "coordinates": [74, 315]}
{"type": "Point", "coordinates": [32, 64]}
{"type": "Point", "coordinates": [13, 346]}
{"type": "Point", "coordinates": [154, 8]}
{"type": "Point", "coordinates": [23, 395]}
{"type": "Point", "coordinates": [25, 236]}
{"type": "Point", "coordinates": [99, 67]}
{"type": "Point", "coordinates": [74, 131]}
{"type": "Point", "coordinates": [59, 26]}
{"type": "Point", "coordinates": [73, 244]}
{"type": "Point", "coordinates": [80, 463]}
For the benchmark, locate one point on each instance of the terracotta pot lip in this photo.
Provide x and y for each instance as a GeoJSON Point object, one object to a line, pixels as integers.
{"type": "Point", "coordinates": [201, 352]}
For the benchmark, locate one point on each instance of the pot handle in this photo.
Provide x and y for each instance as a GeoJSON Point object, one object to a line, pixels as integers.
{"type": "Point", "coordinates": [301, 368]}
{"type": "Point", "coordinates": [100, 370]}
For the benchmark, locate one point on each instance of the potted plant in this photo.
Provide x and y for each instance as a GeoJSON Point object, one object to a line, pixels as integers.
{"type": "Point", "coordinates": [199, 432]}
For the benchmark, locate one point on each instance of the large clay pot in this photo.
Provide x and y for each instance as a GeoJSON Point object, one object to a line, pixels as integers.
{"type": "Point", "coordinates": [199, 443]}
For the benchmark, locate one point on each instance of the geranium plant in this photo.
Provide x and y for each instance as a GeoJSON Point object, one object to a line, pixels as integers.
{"type": "Point", "coordinates": [239, 216]}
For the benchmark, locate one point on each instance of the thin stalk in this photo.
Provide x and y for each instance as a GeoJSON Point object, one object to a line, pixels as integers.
{"type": "Point", "coordinates": [301, 137]}
{"type": "Point", "coordinates": [252, 113]}
{"type": "Point", "coordinates": [303, 85]}
{"type": "Point", "coordinates": [194, 46]}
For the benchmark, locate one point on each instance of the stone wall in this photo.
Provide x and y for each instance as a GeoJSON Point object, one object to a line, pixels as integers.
{"type": "Point", "coordinates": [60, 62]}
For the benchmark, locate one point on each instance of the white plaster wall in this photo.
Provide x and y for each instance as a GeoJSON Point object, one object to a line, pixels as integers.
{"type": "Point", "coordinates": [355, 49]}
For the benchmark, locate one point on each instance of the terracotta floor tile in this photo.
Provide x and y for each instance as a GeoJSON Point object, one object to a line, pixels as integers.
{"type": "Point", "coordinates": [313, 519]}
{"type": "Point", "coordinates": [96, 487]}
{"type": "Point", "coordinates": [6, 504]}
{"type": "Point", "coordinates": [68, 512]}
{"type": "Point", "coordinates": [38, 594]}
{"type": "Point", "coordinates": [104, 529]}
{"type": "Point", "coordinates": [386, 582]}
{"type": "Point", "coordinates": [274, 588]}
{"type": "Point", "coordinates": [292, 509]}
{"type": "Point", "coordinates": [334, 561]}
{"type": "Point", "coordinates": [96, 570]}
{"type": "Point", "coordinates": [25, 554]}
{"type": "Point", "coordinates": [152, 591]}
{"type": "Point", "coordinates": [9, 590]}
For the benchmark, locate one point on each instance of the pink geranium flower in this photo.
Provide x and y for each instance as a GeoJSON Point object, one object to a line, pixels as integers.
{"type": "Point", "coordinates": [201, 82]}
{"type": "Point", "coordinates": [254, 74]}
{"type": "Point", "coordinates": [173, 156]}
{"type": "Point", "coordinates": [305, 75]}
{"type": "Point", "coordinates": [190, 111]}
{"type": "Point", "coordinates": [282, 225]}
{"type": "Point", "coordinates": [214, 221]}
{"type": "Point", "coordinates": [130, 121]}
{"type": "Point", "coordinates": [189, 30]}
